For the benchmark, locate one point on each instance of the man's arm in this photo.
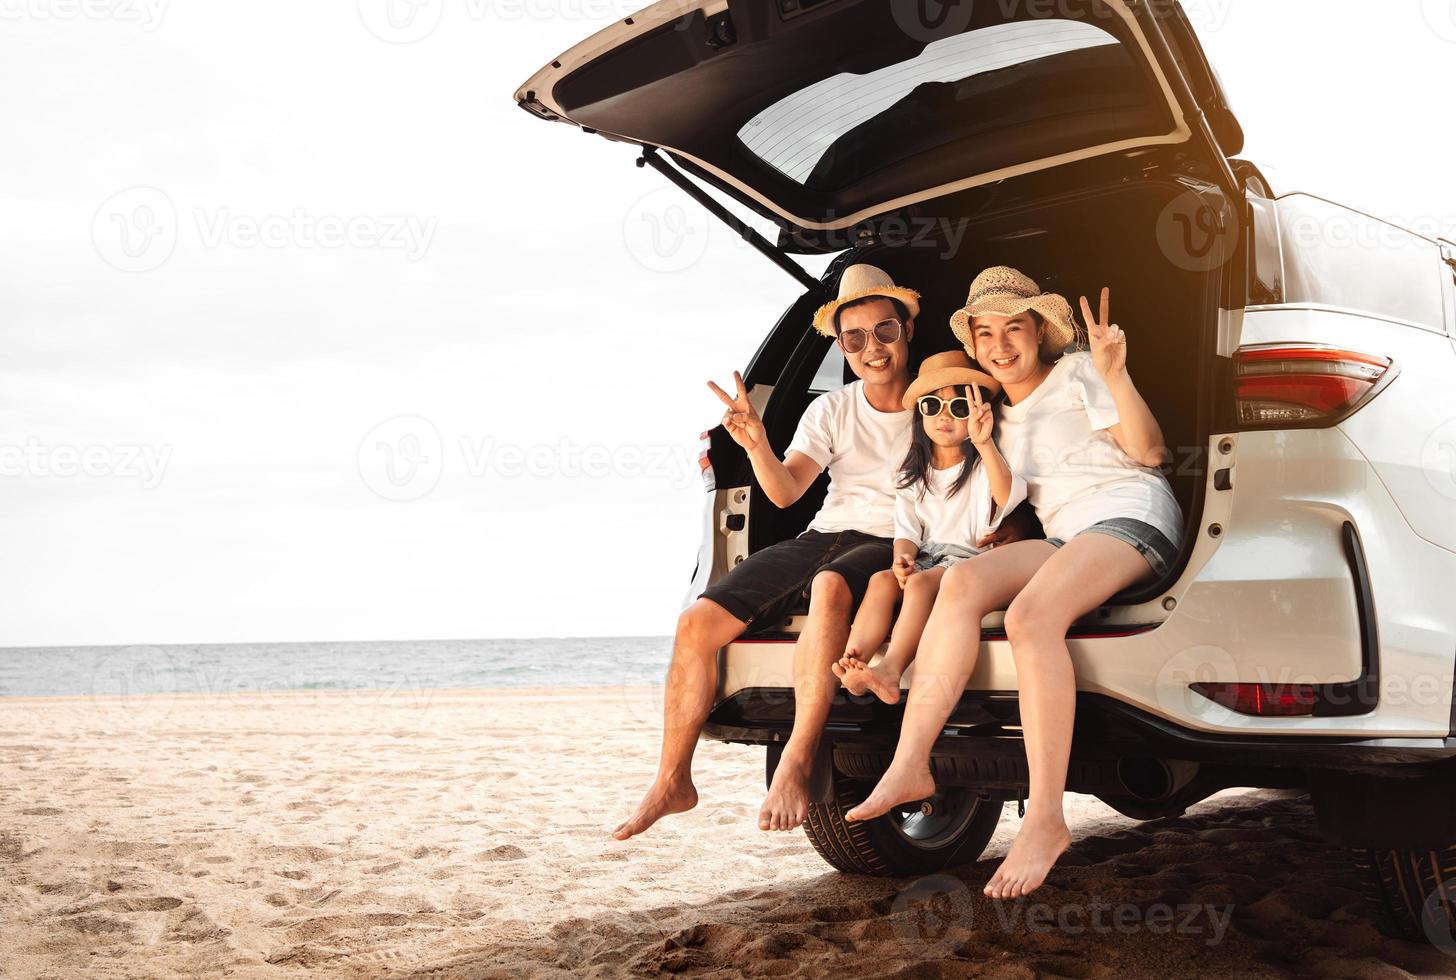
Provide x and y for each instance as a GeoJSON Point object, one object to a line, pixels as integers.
{"type": "Point", "coordinates": [783, 480]}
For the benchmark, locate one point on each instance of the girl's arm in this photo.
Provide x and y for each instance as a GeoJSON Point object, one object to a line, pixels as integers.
{"type": "Point", "coordinates": [983, 424]}
{"type": "Point", "coordinates": [1137, 433]}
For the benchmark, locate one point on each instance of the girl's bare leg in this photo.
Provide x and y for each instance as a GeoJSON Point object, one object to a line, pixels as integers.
{"type": "Point", "coordinates": [1079, 578]}
{"type": "Point", "coordinates": [947, 655]}
{"type": "Point", "coordinates": [884, 677]}
{"type": "Point", "coordinates": [871, 626]}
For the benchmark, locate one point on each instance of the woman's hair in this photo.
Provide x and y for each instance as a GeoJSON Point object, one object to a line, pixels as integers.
{"type": "Point", "coordinates": [915, 471]}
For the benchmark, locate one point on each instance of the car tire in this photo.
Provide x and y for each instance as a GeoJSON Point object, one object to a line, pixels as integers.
{"type": "Point", "coordinates": [1412, 892]}
{"type": "Point", "coordinates": [906, 841]}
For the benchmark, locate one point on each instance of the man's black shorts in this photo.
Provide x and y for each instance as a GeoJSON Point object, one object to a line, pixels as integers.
{"type": "Point", "coordinates": [765, 589]}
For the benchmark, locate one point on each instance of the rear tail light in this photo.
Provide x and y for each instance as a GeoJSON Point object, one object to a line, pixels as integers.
{"type": "Point", "coordinates": [705, 462]}
{"type": "Point", "coordinates": [1265, 700]}
{"type": "Point", "coordinates": [1304, 386]}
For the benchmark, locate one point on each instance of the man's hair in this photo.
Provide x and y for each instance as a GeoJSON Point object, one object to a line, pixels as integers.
{"type": "Point", "coordinates": [901, 310]}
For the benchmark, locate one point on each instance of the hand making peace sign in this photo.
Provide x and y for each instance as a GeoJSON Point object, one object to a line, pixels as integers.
{"type": "Point", "coordinates": [741, 421]}
{"type": "Point", "coordinates": [1108, 342]}
{"type": "Point", "coordinates": [983, 419]}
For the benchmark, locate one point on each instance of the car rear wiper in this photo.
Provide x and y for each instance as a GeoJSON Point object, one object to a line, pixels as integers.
{"type": "Point", "coordinates": [780, 258]}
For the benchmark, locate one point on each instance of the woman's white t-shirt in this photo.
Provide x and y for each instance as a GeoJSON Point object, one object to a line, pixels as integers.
{"type": "Point", "coordinates": [1077, 475]}
{"type": "Point", "coordinates": [860, 446]}
{"type": "Point", "coordinates": [935, 517]}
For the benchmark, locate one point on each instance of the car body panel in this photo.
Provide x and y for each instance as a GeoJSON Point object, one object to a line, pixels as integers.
{"type": "Point", "coordinates": [667, 78]}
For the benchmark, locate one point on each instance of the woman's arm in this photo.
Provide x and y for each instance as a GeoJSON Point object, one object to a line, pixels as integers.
{"type": "Point", "coordinates": [1137, 433]}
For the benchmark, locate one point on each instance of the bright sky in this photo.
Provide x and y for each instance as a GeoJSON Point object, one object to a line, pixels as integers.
{"type": "Point", "coordinates": [363, 255]}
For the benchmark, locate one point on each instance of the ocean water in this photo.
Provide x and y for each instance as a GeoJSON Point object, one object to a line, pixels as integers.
{"type": "Point", "coordinates": [404, 665]}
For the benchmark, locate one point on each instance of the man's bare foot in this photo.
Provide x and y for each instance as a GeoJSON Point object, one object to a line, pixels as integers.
{"type": "Point", "coordinates": [1037, 846]}
{"type": "Point", "coordinates": [879, 679]}
{"type": "Point", "coordinates": [897, 785]}
{"type": "Point", "coordinates": [787, 803]}
{"type": "Point", "coordinates": [663, 798]}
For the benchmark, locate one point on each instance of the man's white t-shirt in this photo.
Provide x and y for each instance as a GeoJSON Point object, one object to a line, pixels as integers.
{"type": "Point", "coordinates": [934, 517]}
{"type": "Point", "coordinates": [1077, 475]}
{"type": "Point", "coordinates": [861, 447]}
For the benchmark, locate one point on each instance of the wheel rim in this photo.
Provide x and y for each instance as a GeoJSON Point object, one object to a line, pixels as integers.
{"type": "Point", "coordinates": [950, 812]}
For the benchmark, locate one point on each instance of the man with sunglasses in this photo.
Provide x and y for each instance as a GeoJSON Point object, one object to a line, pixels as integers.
{"type": "Point", "coordinates": [860, 434]}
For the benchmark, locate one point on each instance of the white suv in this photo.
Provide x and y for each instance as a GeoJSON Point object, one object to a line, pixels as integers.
{"type": "Point", "coordinates": [1300, 357]}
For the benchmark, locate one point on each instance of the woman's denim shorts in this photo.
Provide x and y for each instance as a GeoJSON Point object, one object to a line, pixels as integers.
{"type": "Point", "coordinates": [1151, 543]}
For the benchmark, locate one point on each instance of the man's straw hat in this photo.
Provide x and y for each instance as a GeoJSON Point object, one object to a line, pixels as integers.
{"type": "Point", "coordinates": [1005, 292]}
{"type": "Point", "coordinates": [861, 282]}
{"type": "Point", "coordinates": [951, 368]}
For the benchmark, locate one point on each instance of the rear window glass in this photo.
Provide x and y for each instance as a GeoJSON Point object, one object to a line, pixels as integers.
{"type": "Point", "coordinates": [796, 135]}
{"type": "Point", "coordinates": [1337, 257]}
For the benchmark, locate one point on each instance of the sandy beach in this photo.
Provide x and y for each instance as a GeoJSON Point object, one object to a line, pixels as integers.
{"type": "Point", "coordinates": [464, 834]}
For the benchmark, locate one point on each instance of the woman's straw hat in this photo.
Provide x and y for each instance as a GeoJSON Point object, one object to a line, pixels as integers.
{"type": "Point", "coordinates": [1005, 292]}
{"type": "Point", "coordinates": [861, 282]}
{"type": "Point", "coordinates": [951, 368]}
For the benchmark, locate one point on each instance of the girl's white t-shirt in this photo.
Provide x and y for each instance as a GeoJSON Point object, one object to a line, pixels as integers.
{"type": "Point", "coordinates": [935, 517]}
{"type": "Point", "coordinates": [1077, 475]}
{"type": "Point", "coordinates": [845, 434]}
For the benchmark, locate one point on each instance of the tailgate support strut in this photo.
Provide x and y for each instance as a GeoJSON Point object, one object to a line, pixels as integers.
{"type": "Point", "coordinates": [741, 228]}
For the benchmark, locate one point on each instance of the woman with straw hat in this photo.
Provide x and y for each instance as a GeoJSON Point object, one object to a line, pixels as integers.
{"type": "Point", "coordinates": [1075, 428]}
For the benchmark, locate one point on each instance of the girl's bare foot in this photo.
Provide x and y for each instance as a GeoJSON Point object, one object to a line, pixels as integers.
{"type": "Point", "coordinates": [859, 679]}
{"type": "Point", "coordinates": [898, 785]}
{"type": "Point", "coordinates": [1037, 846]}
{"type": "Point", "coordinates": [850, 672]}
{"type": "Point", "coordinates": [663, 798]}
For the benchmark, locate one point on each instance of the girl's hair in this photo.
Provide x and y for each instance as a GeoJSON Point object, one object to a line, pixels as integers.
{"type": "Point", "coordinates": [915, 471]}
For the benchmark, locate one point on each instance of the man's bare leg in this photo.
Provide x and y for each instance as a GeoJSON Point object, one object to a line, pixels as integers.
{"type": "Point", "coordinates": [948, 652]}
{"type": "Point", "coordinates": [1076, 580]}
{"type": "Point", "coordinates": [821, 644]}
{"type": "Point", "coordinates": [692, 678]}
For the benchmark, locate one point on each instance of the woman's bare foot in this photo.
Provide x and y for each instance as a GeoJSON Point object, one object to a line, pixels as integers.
{"type": "Point", "coordinates": [663, 798]}
{"type": "Point", "coordinates": [787, 803]}
{"type": "Point", "coordinates": [897, 785]}
{"type": "Point", "coordinates": [1037, 846]}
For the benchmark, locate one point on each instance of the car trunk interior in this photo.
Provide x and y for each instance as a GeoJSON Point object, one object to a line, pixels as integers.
{"type": "Point", "coordinates": [1073, 245]}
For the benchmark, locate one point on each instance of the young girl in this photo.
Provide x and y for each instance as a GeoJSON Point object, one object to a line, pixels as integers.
{"type": "Point", "coordinates": [954, 488]}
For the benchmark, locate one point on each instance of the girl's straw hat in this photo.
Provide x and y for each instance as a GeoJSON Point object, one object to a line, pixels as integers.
{"type": "Point", "coordinates": [951, 368]}
{"type": "Point", "coordinates": [1006, 292]}
{"type": "Point", "coordinates": [861, 282]}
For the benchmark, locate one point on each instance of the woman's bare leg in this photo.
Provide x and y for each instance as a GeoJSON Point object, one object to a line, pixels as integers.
{"type": "Point", "coordinates": [1080, 577]}
{"type": "Point", "coordinates": [884, 677]}
{"type": "Point", "coordinates": [946, 658]}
